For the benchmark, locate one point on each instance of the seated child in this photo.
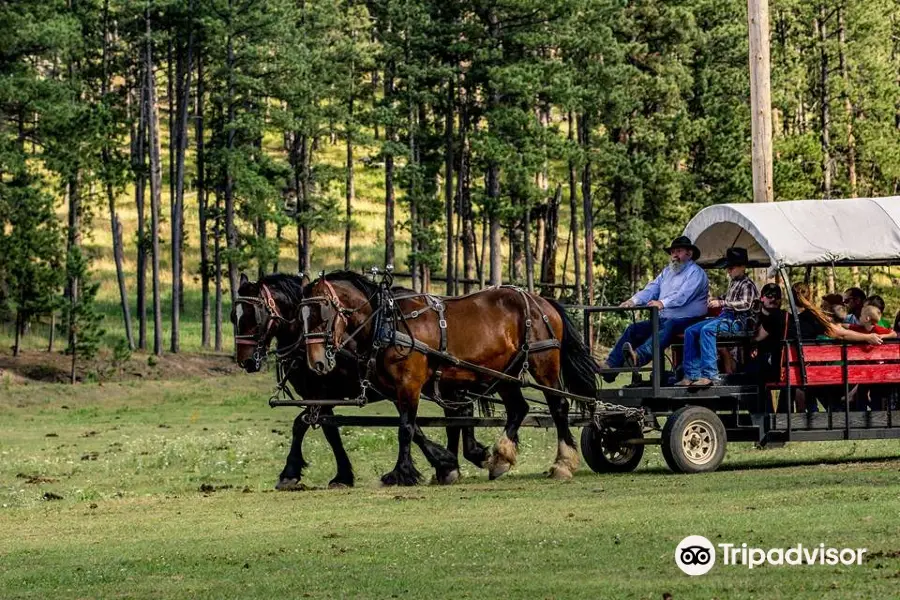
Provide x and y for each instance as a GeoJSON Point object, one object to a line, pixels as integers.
{"type": "Point", "coordinates": [878, 302]}
{"type": "Point", "coordinates": [868, 323]}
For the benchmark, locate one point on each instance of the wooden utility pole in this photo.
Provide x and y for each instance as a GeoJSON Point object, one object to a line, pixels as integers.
{"type": "Point", "coordinates": [760, 99]}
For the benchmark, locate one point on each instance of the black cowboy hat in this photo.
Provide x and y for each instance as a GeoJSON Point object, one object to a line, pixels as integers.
{"type": "Point", "coordinates": [735, 257]}
{"type": "Point", "coordinates": [685, 242]}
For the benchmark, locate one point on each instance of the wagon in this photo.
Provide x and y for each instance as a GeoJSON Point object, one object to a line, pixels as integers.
{"type": "Point", "coordinates": [694, 425]}
{"type": "Point", "coordinates": [779, 237]}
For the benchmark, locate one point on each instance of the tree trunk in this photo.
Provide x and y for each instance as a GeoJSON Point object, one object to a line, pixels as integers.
{"type": "Point", "coordinates": [155, 185]}
{"type": "Point", "coordinates": [824, 100]}
{"type": "Point", "coordinates": [465, 197]}
{"type": "Point", "coordinates": [139, 165]}
{"type": "Point", "coordinates": [389, 252]}
{"type": "Point", "coordinates": [448, 188]}
{"type": "Point", "coordinates": [185, 70]}
{"type": "Point", "coordinates": [18, 340]}
{"type": "Point", "coordinates": [851, 116]}
{"type": "Point", "coordinates": [115, 225]}
{"type": "Point", "coordinates": [351, 191]}
{"type": "Point", "coordinates": [573, 210]}
{"type": "Point", "coordinates": [203, 202]}
{"type": "Point", "coordinates": [588, 210]}
{"type": "Point", "coordinates": [217, 257]}
{"type": "Point", "coordinates": [482, 270]}
{"type": "Point", "coordinates": [231, 239]}
{"type": "Point", "coordinates": [548, 255]}
{"type": "Point", "coordinates": [493, 193]}
{"type": "Point", "coordinates": [529, 257]}
{"type": "Point", "coordinates": [52, 332]}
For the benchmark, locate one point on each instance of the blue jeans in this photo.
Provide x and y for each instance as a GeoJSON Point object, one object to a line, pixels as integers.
{"type": "Point", "coordinates": [700, 354]}
{"type": "Point", "coordinates": [640, 336]}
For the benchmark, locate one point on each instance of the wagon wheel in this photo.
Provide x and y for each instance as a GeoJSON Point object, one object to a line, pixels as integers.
{"type": "Point", "coordinates": [604, 451]}
{"type": "Point", "coordinates": [693, 440]}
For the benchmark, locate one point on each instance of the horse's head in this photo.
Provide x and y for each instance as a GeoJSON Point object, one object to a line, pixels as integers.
{"type": "Point", "coordinates": [329, 307]}
{"type": "Point", "coordinates": [259, 312]}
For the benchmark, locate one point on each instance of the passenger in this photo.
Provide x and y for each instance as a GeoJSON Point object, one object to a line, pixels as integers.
{"type": "Point", "coordinates": [854, 298]}
{"type": "Point", "coordinates": [700, 355]}
{"type": "Point", "coordinates": [878, 302]}
{"type": "Point", "coordinates": [771, 318]}
{"type": "Point", "coordinates": [680, 292]}
{"type": "Point", "coordinates": [833, 306]}
{"type": "Point", "coordinates": [869, 322]}
{"type": "Point", "coordinates": [813, 324]}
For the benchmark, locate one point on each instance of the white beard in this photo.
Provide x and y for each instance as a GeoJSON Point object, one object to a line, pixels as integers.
{"type": "Point", "coordinates": [677, 267]}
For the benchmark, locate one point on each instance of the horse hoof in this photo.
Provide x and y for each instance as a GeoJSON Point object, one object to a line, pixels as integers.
{"type": "Point", "coordinates": [337, 485]}
{"type": "Point", "coordinates": [289, 484]}
{"type": "Point", "coordinates": [448, 478]}
{"type": "Point", "coordinates": [560, 473]}
{"type": "Point", "coordinates": [396, 478]}
{"type": "Point", "coordinates": [497, 470]}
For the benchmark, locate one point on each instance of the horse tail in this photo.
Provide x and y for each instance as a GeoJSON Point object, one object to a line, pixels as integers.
{"type": "Point", "coordinates": [578, 366]}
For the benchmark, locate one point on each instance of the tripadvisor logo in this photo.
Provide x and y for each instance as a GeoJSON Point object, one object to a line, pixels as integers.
{"type": "Point", "coordinates": [696, 555]}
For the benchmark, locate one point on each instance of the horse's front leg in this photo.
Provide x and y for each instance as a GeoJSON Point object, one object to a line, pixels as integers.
{"type": "Point", "coordinates": [404, 472]}
{"type": "Point", "coordinates": [344, 477]}
{"type": "Point", "coordinates": [293, 469]}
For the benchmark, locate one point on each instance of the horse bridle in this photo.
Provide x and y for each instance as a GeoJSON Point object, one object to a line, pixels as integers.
{"type": "Point", "coordinates": [332, 309]}
{"type": "Point", "coordinates": [267, 312]}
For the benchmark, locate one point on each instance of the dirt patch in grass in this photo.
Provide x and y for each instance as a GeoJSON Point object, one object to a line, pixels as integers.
{"type": "Point", "coordinates": [54, 367]}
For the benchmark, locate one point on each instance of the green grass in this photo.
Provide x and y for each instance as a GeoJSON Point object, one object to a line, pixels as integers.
{"type": "Point", "coordinates": [129, 459]}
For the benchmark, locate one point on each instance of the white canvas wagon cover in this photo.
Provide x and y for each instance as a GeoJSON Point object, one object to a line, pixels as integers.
{"type": "Point", "coordinates": [801, 232]}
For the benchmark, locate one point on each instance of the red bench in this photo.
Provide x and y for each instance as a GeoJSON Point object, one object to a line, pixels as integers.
{"type": "Point", "coordinates": [866, 364]}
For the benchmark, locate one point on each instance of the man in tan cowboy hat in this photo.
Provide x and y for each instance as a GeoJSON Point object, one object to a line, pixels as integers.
{"type": "Point", "coordinates": [680, 293]}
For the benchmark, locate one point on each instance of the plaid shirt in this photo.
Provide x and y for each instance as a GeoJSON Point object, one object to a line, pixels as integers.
{"type": "Point", "coordinates": [741, 294]}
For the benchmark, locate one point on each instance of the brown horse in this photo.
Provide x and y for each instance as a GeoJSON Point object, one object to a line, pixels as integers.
{"type": "Point", "coordinates": [495, 328]}
{"type": "Point", "coordinates": [267, 310]}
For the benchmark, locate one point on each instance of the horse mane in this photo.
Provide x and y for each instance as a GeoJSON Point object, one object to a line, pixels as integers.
{"type": "Point", "coordinates": [286, 288]}
{"type": "Point", "coordinates": [365, 285]}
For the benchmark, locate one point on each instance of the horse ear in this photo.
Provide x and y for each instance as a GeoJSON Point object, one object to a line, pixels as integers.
{"type": "Point", "coordinates": [244, 279]}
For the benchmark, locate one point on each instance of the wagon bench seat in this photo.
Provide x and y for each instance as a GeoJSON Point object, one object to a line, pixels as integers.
{"type": "Point", "coordinates": [824, 364]}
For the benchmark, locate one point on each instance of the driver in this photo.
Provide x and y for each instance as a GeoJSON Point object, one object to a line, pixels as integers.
{"type": "Point", "coordinates": [680, 292]}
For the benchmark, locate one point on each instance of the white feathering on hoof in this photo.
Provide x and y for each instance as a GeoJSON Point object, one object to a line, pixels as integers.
{"type": "Point", "coordinates": [503, 458]}
{"type": "Point", "coordinates": [560, 472]}
{"type": "Point", "coordinates": [567, 456]}
{"type": "Point", "coordinates": [565, 464]}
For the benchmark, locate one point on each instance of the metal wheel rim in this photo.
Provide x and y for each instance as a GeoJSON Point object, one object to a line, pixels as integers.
{"type": "Point", "coordinates": [618, 455]}
{"type": "Point", "coordinates": [699, 442]}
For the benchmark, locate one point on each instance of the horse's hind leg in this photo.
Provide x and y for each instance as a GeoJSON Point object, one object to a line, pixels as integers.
{"type": "Point", "coordinates": [293, 468]}
{"type": "Point", "coordinates": [344, 477]}
{"type": "Point", "coordinates": [473, 451]}
{"type": "Point", "coordinates": [445, 463]}
{"type": "Point", "coordinates": [566, 462]}
{"type": "Point", "coordinates": [505, 452]}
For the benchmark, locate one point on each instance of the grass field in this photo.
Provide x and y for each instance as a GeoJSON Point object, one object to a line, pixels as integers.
{"type": "Point", "coordinates": [165, 490]}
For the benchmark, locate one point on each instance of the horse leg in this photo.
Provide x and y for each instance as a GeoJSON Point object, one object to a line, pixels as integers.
{"type": "Point", "coordinates": [445, 463]}
{"type": "Point", "coordinates": [504, 454]}
{"type": "Point", "coordinates": [473, 451]}
{"type": "Point", "coordinates": [404, 472]}
{"type": "Point", "coordinates": [293, 469]}
{"type": "Point", "coordinates": [344, 477]}
{"type": "Point", "coordinates": [566, 462]}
